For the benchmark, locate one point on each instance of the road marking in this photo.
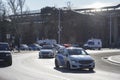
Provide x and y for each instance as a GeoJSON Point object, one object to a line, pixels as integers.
{"type": "Point", "coordinates": [108, 61]}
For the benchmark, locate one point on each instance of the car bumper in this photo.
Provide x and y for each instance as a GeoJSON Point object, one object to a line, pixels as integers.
{"type": "Point", "coordinates": [82, 66]}
{"type": "Point", "coordinates": [47, 55]}
{"type": "Point", "coordinates": [6, 61]}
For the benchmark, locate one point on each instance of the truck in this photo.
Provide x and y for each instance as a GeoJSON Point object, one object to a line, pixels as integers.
{"type": "Point", "coordinates": [93, 44]}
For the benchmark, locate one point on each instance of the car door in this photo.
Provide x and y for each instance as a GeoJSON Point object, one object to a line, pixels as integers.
{"type": "Point", "coordinates": [65, 57]}
{"type": "Point", "coordinates": [61, 58]}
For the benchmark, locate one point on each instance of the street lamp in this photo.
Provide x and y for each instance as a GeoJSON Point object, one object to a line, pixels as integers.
{"type": "Point", "coordinates": [59, 27]}
{"type": "Point", "coordinates": [111, 15]}
{"type": "Point", "coordinates": [110, 30]}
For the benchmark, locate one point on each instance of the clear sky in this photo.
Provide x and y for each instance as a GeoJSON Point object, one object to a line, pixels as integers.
{"type": "Point", "coordinates": [38, 4]}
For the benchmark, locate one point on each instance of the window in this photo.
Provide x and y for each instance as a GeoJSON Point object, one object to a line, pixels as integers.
{"type": "Point", "coordinates": [91, 43]}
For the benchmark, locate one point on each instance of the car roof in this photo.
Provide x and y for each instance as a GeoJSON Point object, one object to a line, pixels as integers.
{"type": "Point", "coordinates": [74, 48]}
{"type": "Point", "coordinates": [3, 43]}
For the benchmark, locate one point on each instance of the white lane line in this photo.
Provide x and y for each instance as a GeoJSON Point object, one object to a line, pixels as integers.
{"type": "Point", "coordinates": [108, 61]}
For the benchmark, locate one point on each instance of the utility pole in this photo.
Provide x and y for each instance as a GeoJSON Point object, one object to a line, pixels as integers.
{"type": "Point", "coordinates": [110, 30]}
{"type": "Point", "coordinates": [59, 27]}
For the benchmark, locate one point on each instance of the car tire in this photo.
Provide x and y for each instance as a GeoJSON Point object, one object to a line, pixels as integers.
{"type": "Point", "coordinates": [56, 63]}
{"type": "Point", "coordinates": [99, 48]}
{"type": "Point", "coordinates": [9, 63]}
{"type": "Point", "coordinates": [68, 66]}
{"type": "Point", "coordinates": [40, 56]}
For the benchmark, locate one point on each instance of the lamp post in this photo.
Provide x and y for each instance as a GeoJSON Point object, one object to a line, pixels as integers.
{"type": "Point", "coordinates": [110, 38]}
{"type": "Point", "coordinates": [59, 27]}
{"type": "Point", "coordinates": [110, 30]}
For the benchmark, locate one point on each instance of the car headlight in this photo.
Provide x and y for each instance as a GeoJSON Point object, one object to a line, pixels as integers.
{"type": "Point", "coordinates": [74, 61]}
{"type": "Point", "coordinates": [8, 54]}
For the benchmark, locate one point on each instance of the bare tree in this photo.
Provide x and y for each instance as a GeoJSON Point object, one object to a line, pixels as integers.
{"type": "Point", "coordinates": [14, 5]}
{"type": "Point", "coordinates": [2, 10]}
{"type": "Point", "coordinates": [21, 5]}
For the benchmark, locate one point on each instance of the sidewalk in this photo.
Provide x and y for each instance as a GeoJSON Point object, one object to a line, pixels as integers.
{"type": "Point", "coordinates": [115, 59]}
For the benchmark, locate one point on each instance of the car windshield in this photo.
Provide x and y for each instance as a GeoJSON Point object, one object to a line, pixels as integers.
{"type": "Point", "coordinates": [77, 52]}
{"type": "Point", "coordinates": [47, 47]}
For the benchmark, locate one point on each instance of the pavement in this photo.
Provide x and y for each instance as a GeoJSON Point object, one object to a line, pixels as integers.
{"type": "Point", "coordinates": [114, 59]}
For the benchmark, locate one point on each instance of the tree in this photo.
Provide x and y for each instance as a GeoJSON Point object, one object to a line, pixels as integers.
{"type": "Point", "coordinates": [17, 6]}
{"type": "Point", "coordinates": [21, 5]}
{"type": "Point", "coordinates": [13, 4]}
{"type": "Point", "coordinates": [3, 22]}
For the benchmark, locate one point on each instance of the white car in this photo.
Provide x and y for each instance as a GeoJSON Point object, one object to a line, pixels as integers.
{"type": "Point", "coordinates": [93, 44]}
{"type": "Point", "coordinates": [47, 51]}
{"type": "Point", "coordinates": [74, 58]}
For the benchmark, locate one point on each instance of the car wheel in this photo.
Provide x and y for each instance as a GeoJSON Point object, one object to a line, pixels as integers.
{"type": "Point", "coordinates": [99, 48]}
{"type": "Point", "coordinates": [9, 63]}
{"type": "Point", "coordinates": [56, 64]}
{"type": "Point", "coordinates": [90, 69]}
{"type": "Point", "coordinates": [40, 56]}
{"type": "Point", "coordinates": [68, 66]}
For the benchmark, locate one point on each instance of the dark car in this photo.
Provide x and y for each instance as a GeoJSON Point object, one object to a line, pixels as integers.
{"type": "Point", "coordinates": [34, 47]}
{"type": "Point", "coordinates": [24, 47]}
{"type": "Point", "coordinates": [5, 54]}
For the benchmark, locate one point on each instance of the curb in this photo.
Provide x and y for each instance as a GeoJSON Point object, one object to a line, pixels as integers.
{"type": "Point", "coordinates": [112, 60]}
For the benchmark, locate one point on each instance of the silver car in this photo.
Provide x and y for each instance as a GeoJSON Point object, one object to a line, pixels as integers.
{"type": "Point", "coordinates": [74, 58]}
{"type": "Point", "coordinates": [47, 51]}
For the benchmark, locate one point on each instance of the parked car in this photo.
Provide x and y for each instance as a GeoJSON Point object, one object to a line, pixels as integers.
{"type": "Point", "coordinates": [47, 51]}
{"type": "Point", "coordinates": [5, 54]}
{"type": "Point", "coordinates": [74, 58]}
{"type": "Point", "coordinates": [58, 46]}
{"type": "Point", "coordinates": [35, 47]}
{"type": "Point", "coordinates": [24, 47]}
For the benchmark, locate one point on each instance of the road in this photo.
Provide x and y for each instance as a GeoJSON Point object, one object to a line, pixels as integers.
{"type": "Point", "coordinates": [27, 66]}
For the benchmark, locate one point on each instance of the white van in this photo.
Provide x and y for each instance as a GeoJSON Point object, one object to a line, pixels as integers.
{"type": "Point", "coordinates": [93, 44]}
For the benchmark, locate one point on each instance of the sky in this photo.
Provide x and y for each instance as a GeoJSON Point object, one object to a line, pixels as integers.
{"type": "Point", "coordinates": [79, 4]}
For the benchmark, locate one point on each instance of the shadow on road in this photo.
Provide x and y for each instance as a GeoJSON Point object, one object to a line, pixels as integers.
{"type": "Point", "coordinates": [45, 58]}
{"type": "Point", "coordinates": [4, 66]}
{"type": "Point", "coordinates": [64, 70]}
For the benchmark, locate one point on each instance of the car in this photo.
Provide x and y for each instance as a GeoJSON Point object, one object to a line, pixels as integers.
{"type": "Point", "coordinates": [5, 54]}
{"type": "Point", "coordinates": [58, 46]}
{"type": "Point", "coordinates": [93, 44]}
{"type": "Point", "coordinates": [74, 58]}
{"type": "Point", "coordinates": [47, 51]}
{"type": "Point", "coordinates": [35, 47]}
{"type": "Point", "coordinates": [24, 47]}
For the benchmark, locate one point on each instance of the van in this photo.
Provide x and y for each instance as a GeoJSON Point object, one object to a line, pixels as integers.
{"type": "Point", "coordinates": [93, 44]}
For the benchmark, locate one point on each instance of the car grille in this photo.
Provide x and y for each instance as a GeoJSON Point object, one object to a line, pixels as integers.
{"type": "Point", "coordinates": [45, 52]}
{"type": "Point", "coordinates": [2, 55]}
{"type": "Point", "coordinates": [85, 62]}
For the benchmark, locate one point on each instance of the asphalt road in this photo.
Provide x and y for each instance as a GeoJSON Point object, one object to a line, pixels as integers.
{"type": "Point", "coordinates": [27, 66]}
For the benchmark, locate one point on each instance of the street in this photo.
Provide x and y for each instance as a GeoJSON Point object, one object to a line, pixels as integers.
{"type": "Point", "coordinates": [27, 66]}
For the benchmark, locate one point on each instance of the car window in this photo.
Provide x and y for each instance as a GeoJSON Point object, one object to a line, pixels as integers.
{"type": "Point", "coordinates": [65, 52]}
{"type": "Point", "coordinates": [91, 43]}
{"type": "Point", "coordinates": [76, 52]}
